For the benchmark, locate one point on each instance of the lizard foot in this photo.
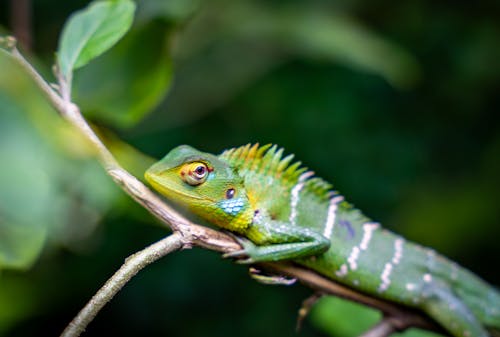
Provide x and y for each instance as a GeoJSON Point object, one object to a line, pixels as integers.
{"type": "Point", "coordinates": [243, 255]}
{"type": "Point", "coordinates": [271, 279]}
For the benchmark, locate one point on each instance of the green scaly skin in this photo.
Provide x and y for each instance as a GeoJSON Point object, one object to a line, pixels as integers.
{"type": "Point", "coordinates": [289, 214]}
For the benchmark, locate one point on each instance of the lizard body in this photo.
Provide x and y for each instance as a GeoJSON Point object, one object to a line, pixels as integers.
{"type": "Point", "coordinates": [289, 214]}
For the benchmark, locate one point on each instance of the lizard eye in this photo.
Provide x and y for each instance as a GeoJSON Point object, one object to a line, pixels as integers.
{"type": "Point", "coordinates": [230, 193]}
{"type": "Point", "coordinates": [194, 173]}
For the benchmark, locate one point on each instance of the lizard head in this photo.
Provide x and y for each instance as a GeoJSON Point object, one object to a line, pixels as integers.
{"type": "Point", "coordinates": [205, 185]}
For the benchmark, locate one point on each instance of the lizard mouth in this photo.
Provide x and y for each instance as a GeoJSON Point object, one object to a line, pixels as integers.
{"type": "Point", "coordinates": [188, 196]}
{"type": "Point", "coordinates": [171, 192]}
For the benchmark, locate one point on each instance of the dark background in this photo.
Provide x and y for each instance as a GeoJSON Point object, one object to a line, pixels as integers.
{"type": "Point", "coordinates": [401, 116]}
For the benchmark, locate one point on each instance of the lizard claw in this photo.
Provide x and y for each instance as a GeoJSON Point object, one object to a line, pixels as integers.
{"type": "Point", "coordinates": [272, 279]}
{"type": "Point", "coordinates": [248, 260]}
{"type": "Point", "coordinates": [236, 254]}
{"type": "Point", "coordinates": [240, 254]}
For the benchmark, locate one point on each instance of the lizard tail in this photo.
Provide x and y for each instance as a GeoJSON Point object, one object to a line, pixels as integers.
{"type": "Point", "coordinates": [484, 301]}
{"type": "Point", "coordinates": [488, 310]}
{"type": "Point", "coordinates": [482, 298]}
{"type": "Point", "coordinates": [492, 317]}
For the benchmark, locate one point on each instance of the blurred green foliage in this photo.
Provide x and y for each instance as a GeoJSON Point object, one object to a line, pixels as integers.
{"type": "Point", "coordinates": [395, 103]}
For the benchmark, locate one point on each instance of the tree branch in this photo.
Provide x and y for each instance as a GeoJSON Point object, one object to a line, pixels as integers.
{"type": "Point", "coordinates": [192, 235]}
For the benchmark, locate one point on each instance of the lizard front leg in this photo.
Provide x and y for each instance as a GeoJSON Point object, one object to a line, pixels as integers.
{"type": "Point", "coordinates": [273, 240]}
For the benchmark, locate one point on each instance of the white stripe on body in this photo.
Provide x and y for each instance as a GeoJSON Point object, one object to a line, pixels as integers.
{"type": "Point", "coordinates": [342, 271]}
{"type": "Point", "coordinates": [332, 212]}
{"type": "Point", "coordinates": [385, 277]}
{"type": "Point", "coordinates": [295, 195]}
{"type": "Point", "coordinates": [368, 229]}
{"type": "Point", "coordinates": [352, 260]}
{"type": "Point", "coordinates": [411, 286]}
{"type": "Point", "coordinates": [398, 250]}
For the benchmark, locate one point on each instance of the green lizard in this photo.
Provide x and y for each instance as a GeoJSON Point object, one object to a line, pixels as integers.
{"type": "Point", "coordinates": [286, 212]}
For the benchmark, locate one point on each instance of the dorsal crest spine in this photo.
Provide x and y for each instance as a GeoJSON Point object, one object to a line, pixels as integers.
{"type": "Point", "coordinates": [268, 160]}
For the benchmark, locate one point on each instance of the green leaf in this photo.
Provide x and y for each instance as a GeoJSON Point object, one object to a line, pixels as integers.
{"type": "Point", "coordinates": [92, 31]}
{"type": "Point", "coordinates": [138, 75]}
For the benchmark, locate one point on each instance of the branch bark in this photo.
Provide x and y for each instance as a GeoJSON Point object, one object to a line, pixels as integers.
{"type": "Point", "coordinates": [187, 234]}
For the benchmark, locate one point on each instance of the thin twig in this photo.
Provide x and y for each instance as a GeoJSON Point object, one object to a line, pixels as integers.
{"type": "Point", "coordinates": [129, 269]}
{"type": "Point", "coordinates": [306, 307]}
{"type": "Point", "coordinates": [192, 234]}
